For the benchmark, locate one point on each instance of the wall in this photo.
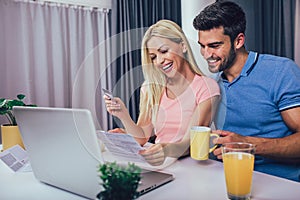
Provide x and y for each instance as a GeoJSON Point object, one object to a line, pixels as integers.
{"type": "Point", "coordinates": [188, 12]}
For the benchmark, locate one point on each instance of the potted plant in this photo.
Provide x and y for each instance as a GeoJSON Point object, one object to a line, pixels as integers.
{"type": "Point", "coordinates": [119, 182]}
{"type": "Point", "coordinates": [10, 132]}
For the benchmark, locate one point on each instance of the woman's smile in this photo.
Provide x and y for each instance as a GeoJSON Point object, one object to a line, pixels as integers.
{"type": "Point", "coordinates": [167, 68]}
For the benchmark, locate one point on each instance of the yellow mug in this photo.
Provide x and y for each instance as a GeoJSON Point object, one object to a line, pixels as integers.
{"type": "Point", "coordinates": [200, 142]}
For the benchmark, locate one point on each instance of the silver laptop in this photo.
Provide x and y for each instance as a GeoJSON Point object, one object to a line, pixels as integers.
{"type": "Point", "coordinates": [64, 151]}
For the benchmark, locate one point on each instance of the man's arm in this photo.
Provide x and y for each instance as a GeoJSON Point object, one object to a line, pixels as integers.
{"type": "Point", "coordinates": [283, 149]}
{"type": "Point", "coordinates": [287, 147]}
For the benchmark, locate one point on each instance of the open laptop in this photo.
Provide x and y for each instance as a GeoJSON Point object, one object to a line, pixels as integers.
{"type": "Point", "coordinates": [64, 151]}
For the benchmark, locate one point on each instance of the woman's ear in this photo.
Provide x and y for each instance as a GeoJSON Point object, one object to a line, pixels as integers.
{"type": "Point", "coordinates": [183, 46]}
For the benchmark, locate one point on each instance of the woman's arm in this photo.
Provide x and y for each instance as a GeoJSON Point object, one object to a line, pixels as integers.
{"type": "Point", "coordinates": [202, 116]}
{"type": "Point", "coordinates": [117, 108]}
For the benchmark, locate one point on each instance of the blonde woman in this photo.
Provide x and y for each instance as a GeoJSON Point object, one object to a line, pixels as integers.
{"type": "Point", "coordinates": [174, 96]}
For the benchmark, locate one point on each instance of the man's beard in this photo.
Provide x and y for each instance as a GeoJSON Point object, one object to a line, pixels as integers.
{"type": "Point", "coordinates": [228, 62]}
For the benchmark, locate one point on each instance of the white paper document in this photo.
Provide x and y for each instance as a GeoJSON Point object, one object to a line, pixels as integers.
{"type": "Point", "coordinates": [122, 145]}
{"type": "Point", "coordinates": [16, 158]}
{"type": "Point", "coordinates": [124, 148]}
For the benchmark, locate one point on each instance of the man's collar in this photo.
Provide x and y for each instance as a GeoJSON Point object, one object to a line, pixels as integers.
{"type": "Point", "coordinates": [247, 68]}
{"type": "Point", "coordinates": [250, 63]}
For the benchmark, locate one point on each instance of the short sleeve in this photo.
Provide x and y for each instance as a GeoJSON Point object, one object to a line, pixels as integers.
{"type": "Point", "coordinates": [287, 86]}
{"type": "Point", "coordinates": [206, 88]}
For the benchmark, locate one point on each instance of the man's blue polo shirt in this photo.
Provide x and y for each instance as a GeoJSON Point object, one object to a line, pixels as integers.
{"type": "Point", "coordinates": [251, 104]}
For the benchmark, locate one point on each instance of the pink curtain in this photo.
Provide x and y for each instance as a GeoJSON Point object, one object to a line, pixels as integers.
{"type": "Point", "coordinates": [55, 54]}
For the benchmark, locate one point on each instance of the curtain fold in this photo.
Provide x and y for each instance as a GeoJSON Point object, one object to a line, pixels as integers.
{"type": "Point", "coordinates": [276, 20]}
{"type": "Point", "coordinates": [46, 49]}
{"type": "Point", "coordinates": [130, 19]}
{"type": "Point", "coordinates": [270, 26]}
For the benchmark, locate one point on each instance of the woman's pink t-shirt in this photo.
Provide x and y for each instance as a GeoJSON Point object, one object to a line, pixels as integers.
{"type": "Point", "coordinates": [174, 115]}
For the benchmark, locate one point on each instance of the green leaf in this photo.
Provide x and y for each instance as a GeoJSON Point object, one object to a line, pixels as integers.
{"type": "Point", "coordinates": [2, 102]}
{"type": "Point", "coordinates": [118, 181]}
{"type": "Point", "coordinates": [20, 96]}
{"type": "Point", "coordinates": [6, 106]}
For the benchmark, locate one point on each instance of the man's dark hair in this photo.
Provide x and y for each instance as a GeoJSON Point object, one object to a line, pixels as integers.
{"type": "Point", "coordinates": [224, 14]}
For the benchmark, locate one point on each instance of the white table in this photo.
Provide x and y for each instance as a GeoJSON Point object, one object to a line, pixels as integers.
{"type": "Point", "coordinates": [193, 180]}
{"type": "Point", "coordinates": [205, 180]}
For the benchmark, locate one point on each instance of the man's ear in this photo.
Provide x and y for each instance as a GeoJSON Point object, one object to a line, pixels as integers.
{"type": "Point", "coordinates": [239, 41]}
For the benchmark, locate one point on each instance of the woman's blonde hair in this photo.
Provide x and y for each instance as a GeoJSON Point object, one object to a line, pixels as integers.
{"type": "Point", "coordinates": [155, 80]}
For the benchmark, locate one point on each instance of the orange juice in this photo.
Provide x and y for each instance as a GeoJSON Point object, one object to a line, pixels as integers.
{"type": "Point", "coordinates": [238, 169]}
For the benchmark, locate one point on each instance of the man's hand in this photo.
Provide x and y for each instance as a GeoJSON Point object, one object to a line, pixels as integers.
{"type": "Point", "coordinates": [225, 137]}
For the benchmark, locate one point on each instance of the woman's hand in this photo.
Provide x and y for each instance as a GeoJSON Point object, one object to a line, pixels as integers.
{"type": "Point", "coordinates": [116, 107]}
{"type": "Point", "coordinates": [154, 155]}
{"type": "Point", "coordinates": [117, 130]}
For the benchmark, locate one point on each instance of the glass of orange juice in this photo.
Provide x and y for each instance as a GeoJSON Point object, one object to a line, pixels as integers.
{"type": "Point", "coordinates": [238, 161]}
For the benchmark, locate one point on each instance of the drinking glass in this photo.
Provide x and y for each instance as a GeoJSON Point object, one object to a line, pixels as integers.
{"type": "Point", "coordinates": [238, 161]}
